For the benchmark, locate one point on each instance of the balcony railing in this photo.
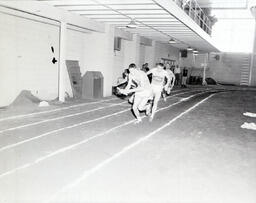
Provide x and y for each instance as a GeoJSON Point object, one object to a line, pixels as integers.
{"type": "Point", "coordinates": [192, 9]}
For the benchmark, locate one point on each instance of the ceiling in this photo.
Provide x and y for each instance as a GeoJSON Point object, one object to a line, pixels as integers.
{"type": "Point", "coordinates": [153, 21]}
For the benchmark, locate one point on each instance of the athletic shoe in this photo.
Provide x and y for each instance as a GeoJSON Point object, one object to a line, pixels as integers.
{"type": "Point", "coordinates": [138, 120]}
{"type": "Point", "coordinates": [148, 110]}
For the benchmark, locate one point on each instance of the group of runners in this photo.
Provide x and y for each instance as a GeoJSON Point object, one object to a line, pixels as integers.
{"type": "Point", "coordinates": [145, 94]}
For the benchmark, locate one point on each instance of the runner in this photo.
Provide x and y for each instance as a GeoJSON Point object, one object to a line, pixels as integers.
{"type": "Point", "coordinates": [172, 80]}
{"type": "Point", "coordinates": [142, 93]}
{"type": "Point", "coordinates": [158, 79]}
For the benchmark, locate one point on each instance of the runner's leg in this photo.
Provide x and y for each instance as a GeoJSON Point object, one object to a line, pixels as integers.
{"type": "Point", "coordinates": [155, 103]}
{"type": "Point", "coordinates": [135, 107]}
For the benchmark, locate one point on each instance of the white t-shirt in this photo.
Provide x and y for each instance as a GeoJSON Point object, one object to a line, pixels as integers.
{"type": "Point", "coordinates": [177, 70]}
{"type": "Point", "coordinates": [158, 76]}
{"type": "Point", "coordinates": [141, 79]}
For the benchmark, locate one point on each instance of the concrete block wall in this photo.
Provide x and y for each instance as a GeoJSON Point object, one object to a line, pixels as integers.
{"type": "Point", "coordinates": [95, 52]}
{"type": "Point", "coordinates": [165, 51]}
{"type": "Point", "coordinates": [99, 56]}
{"type": "Point", "coordinates": [132, 51]}
{"type": "Point", "coordinates": [227, 69]}
{"type": "Point", "coordinates": [25, 44]}
{"type": "Point", "coordinates": [118, 66]}
{"type": "Point", "coordinates": [253, 78]}
{"type": "Point", "coordinates": [150, 52]}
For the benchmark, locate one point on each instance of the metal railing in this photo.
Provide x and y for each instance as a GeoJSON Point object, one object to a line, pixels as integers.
{"type": "Point", "coordinates": [192, 9]}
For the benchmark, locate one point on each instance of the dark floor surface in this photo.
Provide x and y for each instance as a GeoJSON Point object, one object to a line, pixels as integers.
{"type": "Point", "coordinates": [194, 151]}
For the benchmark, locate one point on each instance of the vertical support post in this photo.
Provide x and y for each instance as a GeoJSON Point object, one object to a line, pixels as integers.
{"type": "Point", "coordinates": [253, 54]}
{"type": "Point", "coordinates": [190, 8]}
{"type": "Point", "coordinates": [196, 13]}
{"type": "Point", "coordinates": [62, 57]}
{"type": "Point", "coordinates": [205, 66]}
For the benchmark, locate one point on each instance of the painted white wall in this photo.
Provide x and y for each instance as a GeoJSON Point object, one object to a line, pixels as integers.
{"type": "Point", "coordinates": [227, 70]}
{"type": "Point", "coordinates": [132, 51]}
{"type": "Point", "coordinates": [142, 55]}
{"type": "Point", "coordinates": [95, 52]}
{"type": "Point", "coordinates": [150, 52]}
{"type": "Point", "coordinates": [165, 51]}
{"type": "Point", "coordinates": [118, 66]}
{"type": "Point", "coordinates": [195, 61]}
{"type": "Point", "coordinates": [26, 56]}
{"type": "Point", "coordinates": [99, 56]}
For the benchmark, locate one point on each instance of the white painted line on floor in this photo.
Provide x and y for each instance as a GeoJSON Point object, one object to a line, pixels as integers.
{"type": "Point", "coordinates": [55, 110]}
{"type": "Point", "coordinates": [87, 173]}
{"type": "Point", "coordinates": [70, 115]}
{"type": "Point", "coordinates": [82, 123]}
{"type": "Point", "coordinates": [61, 129]}
{"type": "Point", "coordinates": [70, 147]}
{"type": "Point", "coordinates": [249, 114]}
{"type": "Point", "coordinates": [64, 108]}
{"type": "Point", "coordinates": [59, 118]}
{"type": "Point", "coordinates": [249, 126]}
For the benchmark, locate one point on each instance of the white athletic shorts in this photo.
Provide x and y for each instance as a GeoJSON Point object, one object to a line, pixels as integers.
{"type": "Point", "coordinates": [157, 89]}
{"type": "Point", "coordinates": [145, 93]}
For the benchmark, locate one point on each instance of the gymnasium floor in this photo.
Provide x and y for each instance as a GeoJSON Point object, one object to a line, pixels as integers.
{"type": "Point", "coordinates": [195, 151]}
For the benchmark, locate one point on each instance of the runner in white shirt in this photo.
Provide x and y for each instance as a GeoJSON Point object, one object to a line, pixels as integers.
{"type": "Point", "coordinates": [143, 91]}
{"type": "Point", "coordinates": [172, 78]}
{"type": "Point", "coordinates": [157, 83]}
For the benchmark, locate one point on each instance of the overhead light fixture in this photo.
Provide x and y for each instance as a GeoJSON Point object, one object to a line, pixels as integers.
{"type": "Point", "coordinates": [132, 24]}
{"type": "Point", "coordinates": [172, 41]}
{"type": "Point", "coordinates": [195, 54]}
{"type": "Point", "coordinates": [195, 51]}
{"type": "Point", "coordinates": [190, 49]}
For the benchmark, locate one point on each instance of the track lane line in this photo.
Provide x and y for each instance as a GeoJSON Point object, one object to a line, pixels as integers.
{"type": "Point", "coordinates": [62, 108]}
{"type": "Point", "coordinates": [63, 117]}
{"type": "Point", "coordinates": [91, 171]}
{"type": "Point", "coordinates": [55, 110]}
{"type": "Point", "coordinates": [70, 147]}
{"type": "Point", "coordinates": [59, 118]}
{"type": "Point", "coordinates": [61, 129]}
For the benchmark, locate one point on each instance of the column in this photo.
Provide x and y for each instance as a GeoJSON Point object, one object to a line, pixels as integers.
{"type": "Point", "coordinates": [62, 63]}
{"type": "Point", "coordinates": [252, 76]}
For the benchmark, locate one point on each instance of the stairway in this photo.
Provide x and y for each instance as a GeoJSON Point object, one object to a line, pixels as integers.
{"type": "Point", "coordinates": [245, 70]}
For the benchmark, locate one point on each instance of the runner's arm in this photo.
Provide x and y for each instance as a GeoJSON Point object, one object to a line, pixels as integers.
{"type": "Point", "coordinates": [172, 79]}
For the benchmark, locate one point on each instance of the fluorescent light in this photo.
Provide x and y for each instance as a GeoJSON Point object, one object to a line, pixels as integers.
{"type": "Point", "coordinates": [189, 49]}
{"type": "Point", "coordinates": [195, 51]}
{"type": "Point", "coordinates": [172, 41]}
{"type": "Point", "coordinates": [132, 25]}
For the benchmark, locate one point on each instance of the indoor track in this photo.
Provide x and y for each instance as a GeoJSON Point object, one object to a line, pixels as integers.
{"type": "Point", "coordinates": [93, 151]}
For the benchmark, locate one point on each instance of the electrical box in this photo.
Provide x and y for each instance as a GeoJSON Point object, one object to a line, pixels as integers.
{"type": "Point", "coordinates": [92, 85]}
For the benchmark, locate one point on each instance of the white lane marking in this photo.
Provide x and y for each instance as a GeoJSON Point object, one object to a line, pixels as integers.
{"type": "Point", "coordinates": [249, 126]}
{"type": "Point", "coordinates": [61, 129]}
{"type": "Point", "coordinates": [55, 110]}
{"type": "Point", "coordinates": [249, 114]}
{"type": "Point", "coordinates": [63, 108]}
{"type": "Point", "coordinates": [91, 171]}
{"type": "Point", "coordinates": [64, 149]}
{"type": "Point", "coordinates": [70, 115]}
{"type": "Point", "coordinates": [59, 118]}
{"type": "Point", "coordinates": [58, 130]}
